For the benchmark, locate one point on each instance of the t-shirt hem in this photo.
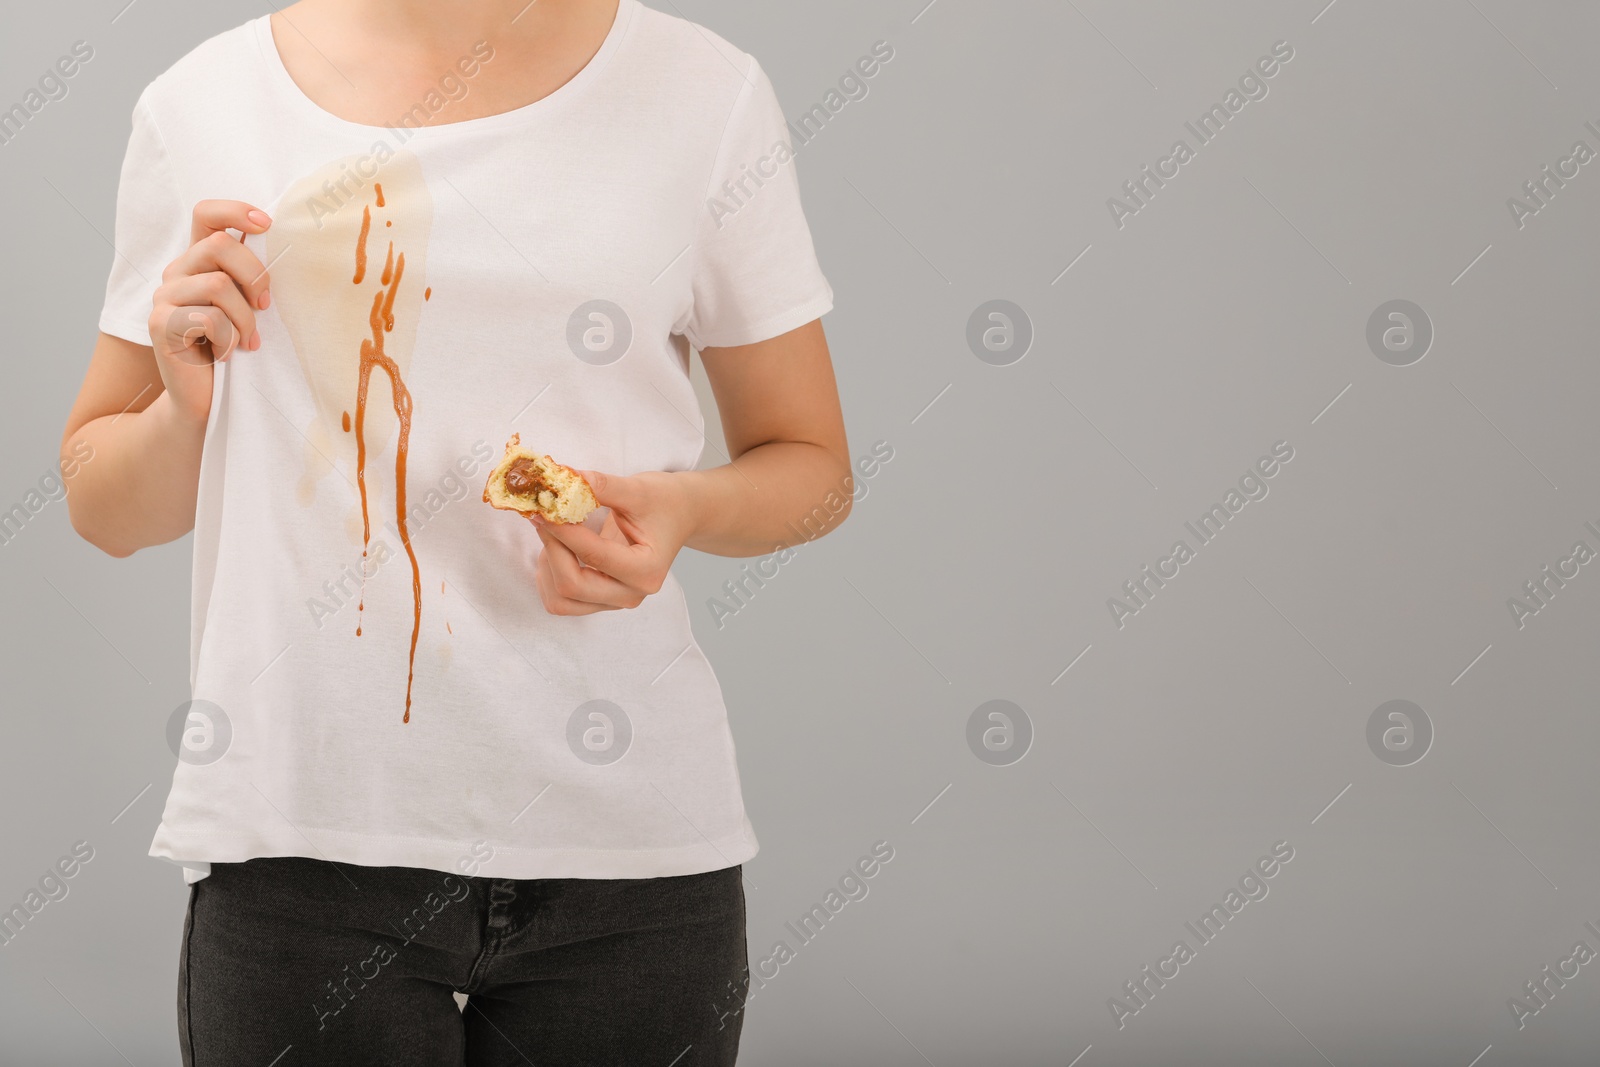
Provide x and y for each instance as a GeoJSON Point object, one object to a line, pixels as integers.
{"type": "Point", "coordinates": [138, 333]}
{"type": "Point", "coordinates": [766, 329]}
{"type": "Point", "coordinates": [196, 853]}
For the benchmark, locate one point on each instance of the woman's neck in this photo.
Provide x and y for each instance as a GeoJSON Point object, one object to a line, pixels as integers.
{"type": "Point", "coordinates": [369, 60]}
{"type": "Point", "coordinates": [445, 23]}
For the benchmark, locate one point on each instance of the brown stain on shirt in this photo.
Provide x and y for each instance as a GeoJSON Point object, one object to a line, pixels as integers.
{"type": "Point", "coordinates": [361, 246]}
{"type": "Point", "coordinates": [380, 320]}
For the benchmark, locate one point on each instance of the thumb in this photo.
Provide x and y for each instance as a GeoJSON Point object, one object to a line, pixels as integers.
{"type": "Point", "coordinates": [616, 491]}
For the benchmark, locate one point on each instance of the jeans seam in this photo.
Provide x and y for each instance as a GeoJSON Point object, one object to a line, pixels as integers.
{"type": "Point", "coordinates": [493, 938]}
{"type": "Point", "coordinates": [188, 979]}
{"type": "Point", "coordinates": [480, 966]}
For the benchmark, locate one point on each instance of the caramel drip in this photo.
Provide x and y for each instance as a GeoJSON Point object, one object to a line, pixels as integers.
{"type": "Point", "coordinates": [427, 294]}
{"type": "Point", "coordinates": [388, 297]}
{"type": "Point", "coordinates": [345, 422]}
{"type": "Point", "coordinates": [361, 272]}
{"type": "Point", "coordinates": [361, 246]}
{"type": "Point", "coordinates": [377, 187]}
{"type": "Point", "coordinates": [381, 321]}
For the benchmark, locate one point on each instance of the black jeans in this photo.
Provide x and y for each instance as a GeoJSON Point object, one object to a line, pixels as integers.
{"type": "Point", "coordinates": [298, 962]}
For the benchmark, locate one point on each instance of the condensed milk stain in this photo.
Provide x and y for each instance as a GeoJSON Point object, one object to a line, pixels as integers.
{"type": "Point", "coordinates": [380, 320]}
{"type": "Point", "coordinates": [361, 246]}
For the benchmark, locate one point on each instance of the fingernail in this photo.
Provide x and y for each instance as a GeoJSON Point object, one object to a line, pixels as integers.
{"type": "Point", "coordinates": [266, 299]}
{"type": "Point", "coordinates": [255, 340]}
{"type": "Point", "coordinates": [259, 218]}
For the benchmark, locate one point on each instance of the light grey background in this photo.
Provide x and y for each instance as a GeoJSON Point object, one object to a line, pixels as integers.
{"type": "Point", "coordinates": [1228, 314]}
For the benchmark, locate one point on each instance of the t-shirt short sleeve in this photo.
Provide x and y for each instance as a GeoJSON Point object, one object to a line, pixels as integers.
{"type": "Point", "coordinates": [152, 230]}
{"type": "Point", "coordinates": [755, 269]}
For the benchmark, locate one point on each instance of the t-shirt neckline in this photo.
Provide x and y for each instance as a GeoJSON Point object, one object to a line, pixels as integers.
{"type": "Point", "coordinates": [286, 84]}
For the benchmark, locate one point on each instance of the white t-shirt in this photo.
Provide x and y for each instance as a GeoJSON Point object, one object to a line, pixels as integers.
{"type": "Point", "coordinates": [542, 271]}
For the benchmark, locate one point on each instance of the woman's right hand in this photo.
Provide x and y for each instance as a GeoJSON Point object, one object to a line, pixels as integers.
{"type": "Point", "coordinates": [205, 307]}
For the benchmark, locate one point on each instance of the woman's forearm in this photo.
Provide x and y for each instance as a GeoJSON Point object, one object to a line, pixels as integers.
{"type": "Point", "coordinates": [140, 486]}
{"type": "Point", "coordinates": [773, 496]}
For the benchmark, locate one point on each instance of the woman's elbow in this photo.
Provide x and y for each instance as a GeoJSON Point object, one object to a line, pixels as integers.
{"type": "Point", "coordinates": [97, 534]}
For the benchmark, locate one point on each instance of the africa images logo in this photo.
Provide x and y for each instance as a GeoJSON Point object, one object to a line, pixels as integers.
{"type": "Point", "coordinates": [1252, 85]}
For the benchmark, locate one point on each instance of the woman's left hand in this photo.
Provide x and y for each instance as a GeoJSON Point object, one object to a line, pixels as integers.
{"type": "Point", "coordinates": [581, 572]}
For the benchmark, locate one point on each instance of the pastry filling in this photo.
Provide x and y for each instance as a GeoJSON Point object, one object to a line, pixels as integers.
{"type": "Point", "coordinates": [524, 479]}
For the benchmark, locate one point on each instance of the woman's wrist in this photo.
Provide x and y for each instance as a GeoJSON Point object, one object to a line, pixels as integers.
{"type": "Point", "coordinates": [690, 493]}
{"type": "Point", "coordinates": [172, 422]}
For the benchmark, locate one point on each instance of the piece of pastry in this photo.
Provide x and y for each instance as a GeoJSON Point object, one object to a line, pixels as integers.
{"type": "Point", "coordinates": [534, 484]}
